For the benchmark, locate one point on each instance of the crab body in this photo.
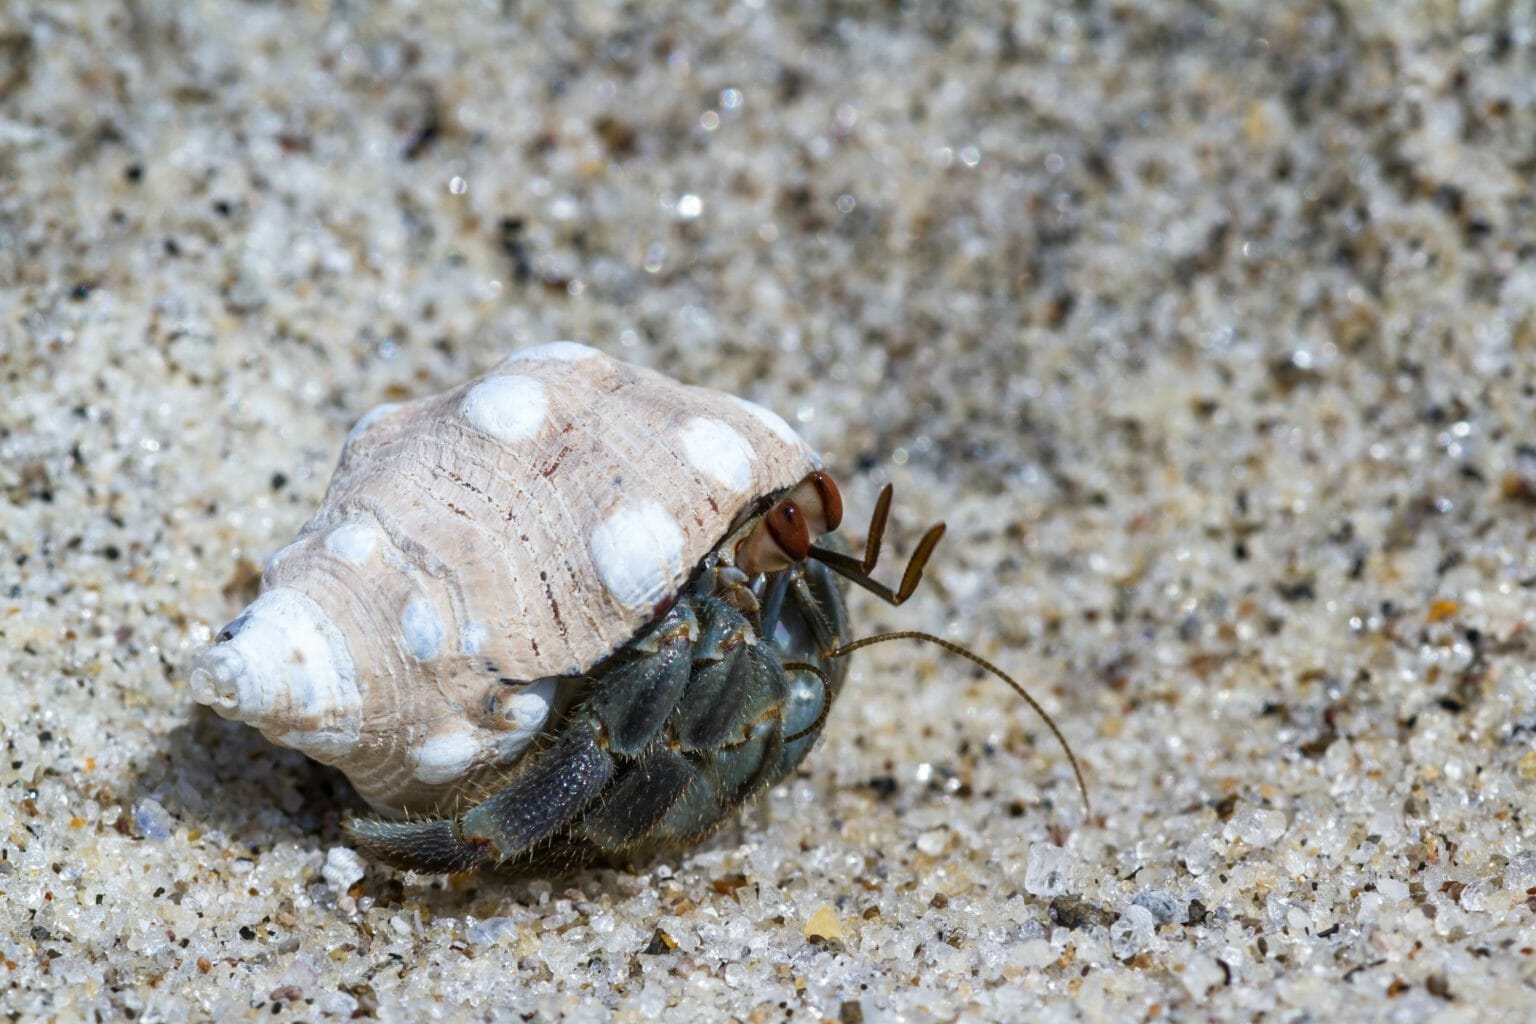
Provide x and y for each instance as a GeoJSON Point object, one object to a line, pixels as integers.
{"type": "Point", "coordinates": [559, 612]}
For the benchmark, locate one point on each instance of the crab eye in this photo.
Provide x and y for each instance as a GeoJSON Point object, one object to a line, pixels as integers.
{"type": "Point", "coordinates": [819, 503]}
{"type": "Point", "coordinates": [786, 523]}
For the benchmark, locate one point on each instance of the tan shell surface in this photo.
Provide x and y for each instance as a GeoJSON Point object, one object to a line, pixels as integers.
{"type": "Point", "coordinates": [473, 544]}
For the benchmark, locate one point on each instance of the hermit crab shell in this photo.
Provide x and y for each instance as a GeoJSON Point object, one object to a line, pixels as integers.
{"type": "Point", "coordinates": [474, 547]}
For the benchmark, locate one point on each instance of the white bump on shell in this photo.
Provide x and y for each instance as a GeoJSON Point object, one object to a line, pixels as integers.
{"type": "Point", "coordinates": [563, 351]}
{"type": "Point", "coordinates": [510, 408]}
{"type": "Point", "coordinates": [773, 421]}
{"type": "Point", "coordinates": [638, 554]}
{"type": "Point", "coordinates": [352, 542]}
{"type": "Point", "coordinates": [471, 637]}
{"type": "Point", "coordinates": [279, 556]}
{"type": "Point", "coordinates": [719, 453]}
{"type": "Point", "coordinates": [446, 754]}
{"type": "Point", "coordinates": [324, 745]}
{"type": "Point", "coordinates": [422, 628]}
{"type": "Point", "coordinates": [525, 714]}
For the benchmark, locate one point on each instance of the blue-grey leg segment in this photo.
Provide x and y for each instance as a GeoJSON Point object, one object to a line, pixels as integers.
{"type": "Point", "coordinates": [543, 798]}
{"type": "Point", "coordinates": [429, 845]}
{"type": "Point", "coordinates": [640, 691]}
{"type": "Point", "coordinates": [638, 799]}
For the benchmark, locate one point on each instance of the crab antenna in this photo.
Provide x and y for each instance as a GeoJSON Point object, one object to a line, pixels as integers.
{"type": "Point", "coordinates": [977, 659]}
{"type": "Point", "coordinates": [877, 528]}
{"type": "Point", "coordinates": [856, 571]}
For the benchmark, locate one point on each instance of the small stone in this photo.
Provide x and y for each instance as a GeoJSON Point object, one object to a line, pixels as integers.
{"type": "Point", "coordinates": [246, 295]}
{"type": "Point", "coordinates": [338, 1005]}
{"type": "Point", "coordinates": [153, 821]}
{"type": "Point", "coordinates": [343, 869]}
{"type": "Point", "coordinates": [1256, 826]}
{"type": "Point", "coordinates": [302, 975]}
{"type": "Point", "coordinates": [1477, 898]}
{"type": "Point", "coordinates": [1048, 871]}
{"type": "Point", "coordinates": [933, 841]}
{"type": "Point", "coordinates": [1520, 872]}
{"type": "Point", "coordinates": [490, 931]}
{"type": "Point", "coordinates": [823, 927]}
{"type": "Point", "coordinates": [1074, 913]}
{"type": "Point", "coordinates": [1526, 766]}
{"type": "Point", "coordinates": [1200, 975]}
{"type": "Point", "coordinates": [1165, 909]}
{"type": "Point", "coordinates": [1034, 954]}
{"type": "Point", "coordinates": [1133, 932]}
{"type": "Point", "coordinates": [661, 943]}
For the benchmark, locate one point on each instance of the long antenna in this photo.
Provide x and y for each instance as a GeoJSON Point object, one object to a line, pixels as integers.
{"type": "Point", "coordinates": [858, 571]}
{"type": "Point", "coordinates": [907, 634]}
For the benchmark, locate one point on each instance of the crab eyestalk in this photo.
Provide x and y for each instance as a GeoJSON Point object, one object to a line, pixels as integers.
{"type": "Point", "coordinates": [785, 534]}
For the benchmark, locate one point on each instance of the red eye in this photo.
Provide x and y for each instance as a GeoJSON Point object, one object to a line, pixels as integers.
{"type": "Point", "coordinates": [786, 524]}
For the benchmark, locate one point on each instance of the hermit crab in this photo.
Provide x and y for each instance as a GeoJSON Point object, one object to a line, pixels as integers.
{"type": "Point", "coordinates": [571, 610]}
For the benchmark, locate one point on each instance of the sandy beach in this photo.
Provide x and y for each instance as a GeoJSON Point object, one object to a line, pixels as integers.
{"type": "Point", "coordinates": [1209, 330]}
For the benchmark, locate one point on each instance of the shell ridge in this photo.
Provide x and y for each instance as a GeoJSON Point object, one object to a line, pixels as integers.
{"type": "Point", "coordinates": [715, 497]}
{"type": "Point", "coordinates": [763, 438]}
{"type": "Point", "coordinates": [498, 527]}
{"type": "Point", "coordinates": [688, 517]}
{"type": "Point", "coordinates": [636, 446]}
{"type": "Point", "coordinates": [417, 560]}
{"type": "Point", "coordinates": [411, 551]}
{"type": "Point", "coordinates": [394, 668]}
{"type": "Point", "coordinates": [611, 442]}
{"type": "Point", "coordinates": [371, 438]}
{"type": "Point", "coordinates": [576, 419]}
{"type": "Point", "coordinates": [491, 535]}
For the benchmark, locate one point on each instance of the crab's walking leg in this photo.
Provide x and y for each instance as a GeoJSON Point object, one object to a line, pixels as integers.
{"type": "Point", "coordinates": [642, 795]}
{"type": "Point", "coordinates": [553, 790]}
{"type": "Point", "coordinates": [428, 845]}
{"type": "Point", "coordinates": [532, 807]}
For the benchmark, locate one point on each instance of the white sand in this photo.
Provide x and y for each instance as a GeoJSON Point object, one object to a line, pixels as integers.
{"type": "Point", "coordinates": [1213, 337]}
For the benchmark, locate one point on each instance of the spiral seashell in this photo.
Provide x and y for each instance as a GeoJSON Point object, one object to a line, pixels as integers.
{"type": "Point", "coordinates": [472, 549]}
